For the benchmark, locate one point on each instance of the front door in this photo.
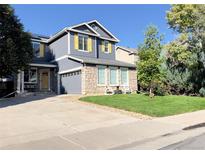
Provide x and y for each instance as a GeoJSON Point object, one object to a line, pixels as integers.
{"type": "Point", "coordinates": [45, 75]}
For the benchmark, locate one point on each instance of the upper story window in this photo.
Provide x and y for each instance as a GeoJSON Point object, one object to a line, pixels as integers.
{"type": "Point", "coordinates": [83, 42]}
{"type": "Point", "coordinates": [106, 46]}
{"type": "Point", "coordinates": [36, 49]}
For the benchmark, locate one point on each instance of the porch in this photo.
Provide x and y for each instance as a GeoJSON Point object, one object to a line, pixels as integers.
{"type": "Point", "coordinates": [37, 78]}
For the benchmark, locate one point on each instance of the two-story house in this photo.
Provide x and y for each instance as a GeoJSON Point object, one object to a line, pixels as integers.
{"type": "Point", "coordinates": [79, 59]}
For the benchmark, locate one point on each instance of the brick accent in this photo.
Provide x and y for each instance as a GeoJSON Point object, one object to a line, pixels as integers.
{"type": "Point", "coordinates": [89, 81]}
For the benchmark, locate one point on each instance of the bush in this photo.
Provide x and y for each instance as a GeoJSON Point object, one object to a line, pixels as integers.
{"type": "Point", "coordinates": [202, 92]}
{"type": "Point", "coordinates": [160, 91]}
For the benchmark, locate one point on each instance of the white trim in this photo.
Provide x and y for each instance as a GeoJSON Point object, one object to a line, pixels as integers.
{"type": "Point", "coordinates": [109, 39]}
{"type": "Point", "coordinates": [82, 32]}
{"type": "Point", "coordinates": [42, 65]}
{"type": "Point", "coordinates": [125, 49]}
{"type": "Point", "coordinates": [74, 58]}
{"type": "Point", "coordinates": [71, 70]}
{"type": "Point", "coordinates": [90, 28]}
{"type": "Point", "coordinates": [60, 58]}
{"type": "Point", "coordinates": [36, 40]}
{"type": "Point", "coordinates": [40, 72]}
{"type": "Point", "coordinates": [57, 34]}
{"type": "Point", "coordinates": [68, 41]}
{"type": "Point", "coordinates": [104, 29]}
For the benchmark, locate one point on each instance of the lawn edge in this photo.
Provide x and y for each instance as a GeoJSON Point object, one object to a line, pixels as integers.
{"type": "Point", "coordinates": [112, 109]}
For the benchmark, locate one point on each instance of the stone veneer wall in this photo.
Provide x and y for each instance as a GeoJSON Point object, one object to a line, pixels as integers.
{"type": "Point", "coordinates": [89, 81]}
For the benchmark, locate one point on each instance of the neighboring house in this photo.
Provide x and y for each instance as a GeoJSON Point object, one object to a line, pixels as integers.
{"type": "Point", "coordinates": [78, 59]}
{"type": "Point", "coordinates": [126, 54]}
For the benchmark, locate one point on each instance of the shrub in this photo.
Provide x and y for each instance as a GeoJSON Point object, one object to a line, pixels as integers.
{"type": "Point", "coordinates": [202, 92]}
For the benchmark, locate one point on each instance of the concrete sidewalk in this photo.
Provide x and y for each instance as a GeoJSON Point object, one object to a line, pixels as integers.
{"type": "Point", "coordinates": [65, 123]}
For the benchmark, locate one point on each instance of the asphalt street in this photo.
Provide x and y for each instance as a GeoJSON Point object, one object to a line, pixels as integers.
{"type": "Point", "coordinates": [194, 143]}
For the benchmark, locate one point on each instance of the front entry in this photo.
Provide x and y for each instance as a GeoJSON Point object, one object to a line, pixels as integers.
{"type": "Point", "coordinates": [44, 80]}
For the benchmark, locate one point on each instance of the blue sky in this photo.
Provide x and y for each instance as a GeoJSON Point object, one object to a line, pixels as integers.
{"type": "Point", "coordinates": [126, 22]}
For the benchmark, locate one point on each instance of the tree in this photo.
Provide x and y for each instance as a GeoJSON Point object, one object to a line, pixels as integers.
{"type": "Point", "coordinates": [189, 20]}
{"type": "Point", "coordinates": [15, 44]}
{"type": "Point", "coordinates": [179, 60]}
{"type": "Point", "coordinates": [150, 74]}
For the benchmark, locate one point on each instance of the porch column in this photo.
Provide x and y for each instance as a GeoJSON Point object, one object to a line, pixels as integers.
{"type": "Point", "coordinates": [22, 81]}
{"type": "Point", "coordinates": [58, 84]}
{"type": "Point", "coordinates": [19, 83]}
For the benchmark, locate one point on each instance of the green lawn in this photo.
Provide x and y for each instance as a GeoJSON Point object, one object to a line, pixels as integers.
{"type": "Point", "coordinates": [159, 106]}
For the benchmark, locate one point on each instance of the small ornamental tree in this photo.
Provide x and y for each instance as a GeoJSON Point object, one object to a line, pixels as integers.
{"type": "Point", "coordinates": [150, 74]}
{"type": "Point", "coordinates": [15, 44]}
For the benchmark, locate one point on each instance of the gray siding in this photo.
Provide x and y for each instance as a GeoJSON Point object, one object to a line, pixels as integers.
{"type": "Point", "coordinates": [66, 64]}
{"type": "Point", "coordinates": [101, 31]}
{"type": "Point", "coordinates": [84, 28]}
{"type": "Point", "coordinates": [71, 84]}
{"type": "Point", "coordinates": [73, 51]}
{"type": "Point", "coordinates": [59, 47]}
{"type": "Point", "coordinates": [103, 55]}
{"type": "Point", "coordinates": [47, 56]}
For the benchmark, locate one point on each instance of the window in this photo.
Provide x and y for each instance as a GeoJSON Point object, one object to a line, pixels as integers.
{"type": "Point", "coordinates": [36, 49]}
{"type": "Point", "coordinates": [30, 76]}
{"type": "Point", "coordinates": [83, 42]}
{"type": "Point", "coordinates": [106, 46]}
{"type": "Point", "coordinates": [113, 76]}
{"type": "Point", "coordinates": [101, 75]}
{"type": "Point", "coordinates": [124, 76]}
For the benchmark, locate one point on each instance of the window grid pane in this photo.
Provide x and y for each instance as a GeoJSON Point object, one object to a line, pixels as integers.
{"type": "Point", "coordinates": [36, 49]}
{"type": "Point", "coordinates": [101, 75]}
{"type": "Point", "coordinates": [124, 79]}
{"type": "Point", "coordinates": [113, 76]}
{"type": "Point", "coordinates": [80, 42]}
{"type": "Point", "coordinates": [85, 43]}
{"type": "Point", "coordinates": [106, 46]}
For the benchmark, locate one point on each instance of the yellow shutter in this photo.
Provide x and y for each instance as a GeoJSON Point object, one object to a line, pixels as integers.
{"type": "Point", "coordinates": [42, 50]}
{"type": "Point", "coordinates": [102, 46]}
{"type": "Point", "coordinates": [76, 41]}
{"type": "Point", "coordinates": [90, 44]}
{"type": "Point", "coordinates": [110, 47]}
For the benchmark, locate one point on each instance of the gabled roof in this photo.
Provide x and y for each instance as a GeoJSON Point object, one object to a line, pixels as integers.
{"type": "Point", "coordinates": [95, 33]}
{"type": "Point", "coordinates": [95, 21]}
{"type": "Point", "coordinates": [72, 28]}
{"type": "Point", "coordinates": [129, 50]}
{"type": "Point", "coordinates": [88, 60]}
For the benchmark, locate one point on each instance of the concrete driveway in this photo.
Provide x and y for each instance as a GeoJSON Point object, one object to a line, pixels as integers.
{"type": "Point", "coordinates": [62, 122]}
{"type": "Point", "coordinates": [45, 122]}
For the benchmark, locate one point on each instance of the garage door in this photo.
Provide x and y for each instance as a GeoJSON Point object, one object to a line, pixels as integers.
{"type": "Point", "coordinates": [71, 83]}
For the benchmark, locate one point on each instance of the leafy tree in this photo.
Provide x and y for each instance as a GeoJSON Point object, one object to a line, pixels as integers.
{"type": "Point", "coordinates": [150, 74]}
{"type": "Point", "coordinates": [179, 59]}
{"type": "Point", "coordinates": [189, 20]}
{"type": "Point", "coordinates": [15, 44]}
